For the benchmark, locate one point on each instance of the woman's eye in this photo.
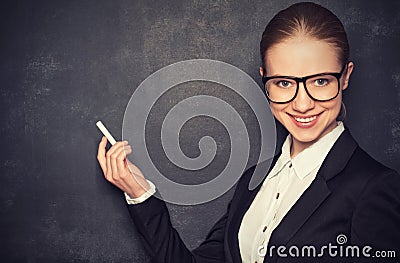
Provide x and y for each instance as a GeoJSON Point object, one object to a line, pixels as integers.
{"type": "Point", "coordinates": [321, 82]}
{"type": "Point", "coordinates": [284, 84]}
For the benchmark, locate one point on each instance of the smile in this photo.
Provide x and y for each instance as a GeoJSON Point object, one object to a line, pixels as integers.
{"type": "Point", "coordinates": [305, 121]}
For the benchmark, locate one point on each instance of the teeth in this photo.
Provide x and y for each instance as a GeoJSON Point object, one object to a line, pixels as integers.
{"type": "Point", "coordinates": [305, 119]}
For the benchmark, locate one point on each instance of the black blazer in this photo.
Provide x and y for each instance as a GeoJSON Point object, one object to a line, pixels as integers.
{"type": "Point", "coordinates": [352, 195]}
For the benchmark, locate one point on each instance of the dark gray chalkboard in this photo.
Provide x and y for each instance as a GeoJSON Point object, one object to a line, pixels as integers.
{"type": "Point", "coordinates": [66, 64]}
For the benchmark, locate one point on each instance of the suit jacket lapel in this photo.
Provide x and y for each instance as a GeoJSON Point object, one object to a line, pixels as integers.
{"type": "Point", "coordinates": [338, 156]}
{"type": "Point", "coordinates": [318, 191]}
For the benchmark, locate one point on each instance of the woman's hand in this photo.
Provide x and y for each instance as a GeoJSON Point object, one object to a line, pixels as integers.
{"type": "Point", "coordinates": [119, 171]}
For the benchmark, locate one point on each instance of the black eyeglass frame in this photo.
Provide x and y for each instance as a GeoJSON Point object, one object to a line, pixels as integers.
{"type": "Point", "coordinates": [303, 80]}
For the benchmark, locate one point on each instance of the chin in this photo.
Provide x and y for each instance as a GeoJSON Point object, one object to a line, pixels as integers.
{"type": "Point", "coordinates": [305, 137]}
{"type": "Point", "coordinates": [310, 135]}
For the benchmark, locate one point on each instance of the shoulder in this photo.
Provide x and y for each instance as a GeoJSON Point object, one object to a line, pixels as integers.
{"type": "Point", "coordinates": [377, 175]}
{"type": "Point", "coordinates": [376, 215]}
{"type": "Point", "coordinates": [348, 162]}
{"type": "Point", "coordinates": [363, 164]}
{"type": "Point", "coordinates": [364, 180]}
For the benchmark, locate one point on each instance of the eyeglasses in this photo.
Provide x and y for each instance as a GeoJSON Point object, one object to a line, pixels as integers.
{"type": "Point", "coordinates": [320, 87]}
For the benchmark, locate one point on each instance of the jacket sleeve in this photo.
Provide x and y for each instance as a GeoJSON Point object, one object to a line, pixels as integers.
{"type": "Point", "coordinates": [376, 219]}
{"type": "Point", "coordinates": [164, 243]}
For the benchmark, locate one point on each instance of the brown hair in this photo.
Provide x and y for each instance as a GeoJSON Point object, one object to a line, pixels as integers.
{"type": "Point", "coordinates": [306, 19]}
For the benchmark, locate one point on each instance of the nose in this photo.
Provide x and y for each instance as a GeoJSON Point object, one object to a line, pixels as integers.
{"type": "Point", "coordinates": [302, 103]}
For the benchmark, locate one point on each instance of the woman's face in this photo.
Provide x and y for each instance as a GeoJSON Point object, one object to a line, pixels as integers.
{"type": "Point", "coordinates": [306, 120]}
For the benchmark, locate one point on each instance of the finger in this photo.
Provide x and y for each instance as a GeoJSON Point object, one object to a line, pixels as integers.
{"type": "Point", "coordinates": [101, 154]}
{"type": "Point", "coordinates": [123, 169]}
{"type": "Point", "coordinates": [128, 150]}
{"type": "Point", "coordinates": [112, 149]}
{"type": "Point", "coordinates": [120, 156]}
{"type": "Point", "coordinates": [114, 153]}
{"type": "Point", "coordinates": [109, 171]}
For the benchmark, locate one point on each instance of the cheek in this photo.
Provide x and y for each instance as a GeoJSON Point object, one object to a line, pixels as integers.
{"type": "Point", "coordinates": [333, 106]}
{"type": "Point", "coordinates": [277, 109]}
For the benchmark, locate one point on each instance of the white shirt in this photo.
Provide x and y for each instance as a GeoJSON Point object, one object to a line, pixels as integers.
{"type": "Point", "coordinates": [284, 185]}
{"type": "Point", "coordinates": [143, 197]}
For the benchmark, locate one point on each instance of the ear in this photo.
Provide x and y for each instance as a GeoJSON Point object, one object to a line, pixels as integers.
{"type": "Point", "coordinates": [261, 71]}
{"type": "Point", "coordinates": [350, 67]}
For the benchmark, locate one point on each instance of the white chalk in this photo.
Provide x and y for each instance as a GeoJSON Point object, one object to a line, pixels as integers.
{"type": "Point", "coordinates": [106, 133]}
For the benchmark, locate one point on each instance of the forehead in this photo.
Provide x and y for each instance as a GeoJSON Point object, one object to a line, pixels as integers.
{"type": "Point", "coordinates": [301, 57]}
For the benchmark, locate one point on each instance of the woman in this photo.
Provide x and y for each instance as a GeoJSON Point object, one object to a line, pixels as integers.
{"type": "Point", "coordinates": [322, 185]}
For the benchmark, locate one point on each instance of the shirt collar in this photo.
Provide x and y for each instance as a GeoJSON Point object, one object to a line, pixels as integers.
{"type": "Point", "coordinates": [310, 158]}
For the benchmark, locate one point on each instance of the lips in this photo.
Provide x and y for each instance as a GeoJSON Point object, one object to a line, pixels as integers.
{"type": "Point", "coordinates": [308, 119]}
{"type": "Point", "coordinates": [305, 121]}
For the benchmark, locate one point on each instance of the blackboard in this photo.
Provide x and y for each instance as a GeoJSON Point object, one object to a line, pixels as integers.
{"type": "Point", "coordinates": [66, 64]}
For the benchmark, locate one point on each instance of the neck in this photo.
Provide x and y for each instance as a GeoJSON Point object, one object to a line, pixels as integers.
{"type": "Point", "coordinates": [297, 147]}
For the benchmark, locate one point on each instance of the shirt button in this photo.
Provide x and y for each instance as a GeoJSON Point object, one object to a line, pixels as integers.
{"type": "Point", "coordinates": [265, 228]}
{"type": "Point", "coordinates": [277, 195]}
{"type": "Point", "coordinates": [290, 165]}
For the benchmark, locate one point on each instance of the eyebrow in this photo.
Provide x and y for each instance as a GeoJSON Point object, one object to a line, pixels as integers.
{"type": "Point", "coordinates": [280, 75]}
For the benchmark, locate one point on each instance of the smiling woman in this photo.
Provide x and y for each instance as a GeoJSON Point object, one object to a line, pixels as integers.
{"type": "Point", "coordinates": [321, 186]}
{"type": "Point", "coordinates": [308, 107]}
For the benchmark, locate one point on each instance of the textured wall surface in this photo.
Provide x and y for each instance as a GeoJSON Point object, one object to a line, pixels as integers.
{"type": "Point", "coordinates": [66, 64]}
